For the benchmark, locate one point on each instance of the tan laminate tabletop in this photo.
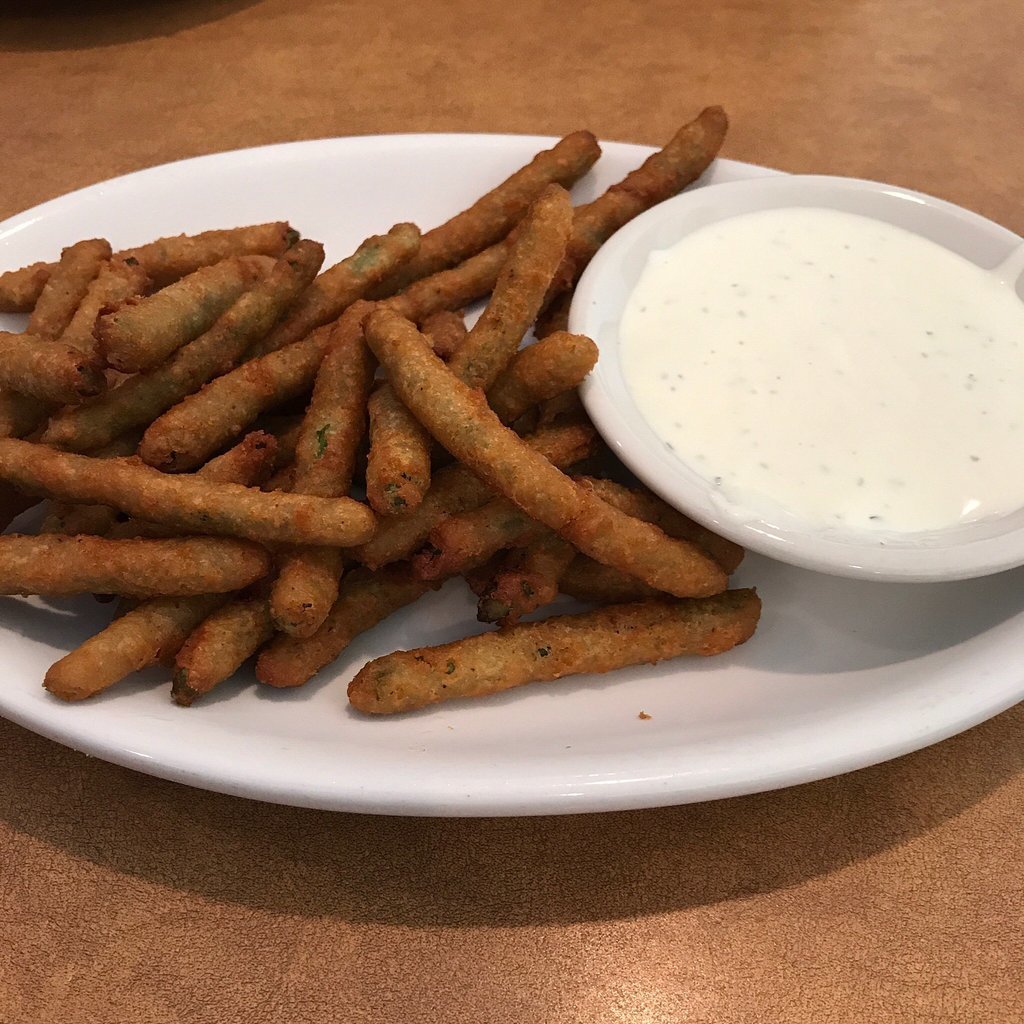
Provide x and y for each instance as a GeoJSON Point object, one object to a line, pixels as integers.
{"type": "Point", "coordinates": [894, 894]}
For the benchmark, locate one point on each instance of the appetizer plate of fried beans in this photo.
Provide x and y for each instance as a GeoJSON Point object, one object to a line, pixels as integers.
{"type": "Point", "coordinates": [302, 505]}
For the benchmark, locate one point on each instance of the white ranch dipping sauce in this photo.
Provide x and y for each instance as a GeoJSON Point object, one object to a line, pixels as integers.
{"type": "Point", "coordinates": [835, 367]}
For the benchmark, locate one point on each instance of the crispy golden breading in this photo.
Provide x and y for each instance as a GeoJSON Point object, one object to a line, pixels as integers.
{"type": "Point", "coordinates": [549, 367]}
{"type": "Point", "coordinates": [57, 564]}
{"type": "Point", "coordinates": [594, 583]}
{"type": "Point", "coordinates": [341, 285]}
{"type": "Point", "coordinates": [445, 329]}
{"type": "Point", "coordinates": [169, 259]}
{"type": "Point", "coordinates": [682, 161]}
{"type": "Point", "coordinates": [456, 489]}
{"type": "Point", "coordinates": [187, 503]}
{"type": "Point", "coordinates": [19, 289]}
{"type": "Point", "coordinates": [202, 423]}
{"type": "Point", "coordinates": [117, 281]}
{"type": "Point", "coordinates": [164, 260]}
{"type": "Point", "coordinates": [141, 334]}
{"type": "Point", "coordinates": [398, 463]}
{"type": "Point", "coordinates": [492, 216]}
{"type": "Point", "coordinates": [66, 287]}
{"type": "Point", "coordinates": [461, 420]}
{"type": "Point", "coordinates": [526, 580]}
{"type": "Point", "coordinates": [466, 539]}
{"type": "Point", "coordinates": [535, 252]}
{"type": "Point", "coordinates": [643, 504]}
{"type": "Point", "coordinates": [142, 398]}
{"type": "Point", "coordinates": [48, 370]}
{"type": "Point", "coordinates": [335, 422]}
{"type": "Point", "coordinates": [219, 645]}
{"type": "Point", "coordinates": [139, 638]}
{"type": "Point", "coordinates": [364, 599]}
{"type": "Point", "coordinates": [597, 641]}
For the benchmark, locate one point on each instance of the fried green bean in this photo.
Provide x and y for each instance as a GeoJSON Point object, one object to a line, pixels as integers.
{"type": "Point", "coordinates": [66, 287]}
{"type": "Point", "coordinates": [398, 463]}
{"type": "Point", "coordinates": [48, 370]}
{"type": "Point", "coordinates": [594, 583]}
{"type": "Point", "coordinates": [19, 289]}
{"type": "Point", "coordinates": [682, 161]}
{"type": "Point", "coordinates": [146, 634]}
{"type": "Point", "coordinates": [165, 260]}
{"type": "Point", "coordinates": [535, 252]}
{"type": "Point", "coordinates": [467, 539]}
{"type": "Point", "coordinates": [117, 281]}
{"type": "Point", "coordinates": [339, 286]}
{"type": "Point", "coordinates": [457, 489]}
{"type": "Point", "coordinates": [178, 567]}
{"type": "Point", "coordinates": [204, 422]}
{"type": "Point", "coordinates": [187, 503]}
{"type": "Point", "coordinates": [596, 641]}
{"type": "Point", "coordinates": [219, 645]}
{"type": "Point", "coordinates": [364, 600]}
{"type": "Point", "coordinates": [526, 580]}
{"type": "Point", "coordinates": [169, 259]}
{"type": "Point", "coordinates": [549, 367]}
{"type": "Point", "coordinates": [493, 215]}
{"type": "Point", "coordinates": [460, 419]}
{"type": "Point", "coordinates": [140, 335]}
{"type": "Point", "coordinates": [446, 331]}
{"type": "Point", "coordinates": [642, 504]}
{"type": "Point", "coordinates": [335, 422]}
{"type": "Point", "coordinates": [142, 398]}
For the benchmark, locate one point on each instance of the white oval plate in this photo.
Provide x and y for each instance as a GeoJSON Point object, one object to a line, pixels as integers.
{"type": "Point", "coordinates": [841, 673]}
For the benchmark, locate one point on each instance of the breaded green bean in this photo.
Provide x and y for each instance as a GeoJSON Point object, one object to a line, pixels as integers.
{"type": "Point", "coordinates": [364, 599]}
{"type": "Point", "coordinates": [398, 468]}
{"type": "Point", "coordinates": [467, 539]}
{"type": "Point", "coordinates": [534, 255]}
{"type": "Point", "coordinates": [219, 645]}
{"type": "Point", "coordinates": [249, 463]}
{"type": "Point", "coordinates": [117, 281]}
{"type": "Point", "coordinates": [179, 566]}
{"type": "Point", "coordinates": [642, 504]}
{"type": "Point", "coordinates": [139, 638]}
{"type": "Point", "coordinates": [594, 583]}
{"type": "Point", "coordinates": [549, 367]}
{"type": "Point", "coordinates": [339, 286]}
{"type": "Point", "coordinates": [454, 288]}
{"type": "Point", "coordinates": [446, 330]}
{"type": "Point", "coordinates": [66, 287]}
{"type": "Point", "coordinates": [169, 259]}
{"type": "Point", "coordinates": [19, 289]}
{"type": "Point", "coordinates": [48, 370]}
{"type": "Point", "coordinates": [335, 422]}
{"type": "Point", "coordinates": [139, 400]}
{"type": "Point", "coordinates": [187, 434]}
{"type": "Point", "coordinates": [165, 260]}
{"type": "Point", "coordinates": [682, 161]}
{"type": "Point", "coordinates": [493, 215]}
{"type": "Point", "coordinates": [398, 463]}
{"type": "Point", "coordinates": [456, 489]}
{"type": "Point", "coordinates": [460, 419]}
{"type": "Point", "coordinates": [597, 641]}
{"type": "Point", "coordinates": [139, 335]}
{"type": "Point", "coordinates": [526, 580]}
{"type": "Point", "coordinates": [187, 503]}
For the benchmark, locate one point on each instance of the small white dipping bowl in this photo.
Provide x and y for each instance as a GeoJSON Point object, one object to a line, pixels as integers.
{"type": "Point", "coordinates": [960, 552]}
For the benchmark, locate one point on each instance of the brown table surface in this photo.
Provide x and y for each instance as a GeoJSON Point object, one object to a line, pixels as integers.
{"type": "Point", "coordinates": [893, 894]}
